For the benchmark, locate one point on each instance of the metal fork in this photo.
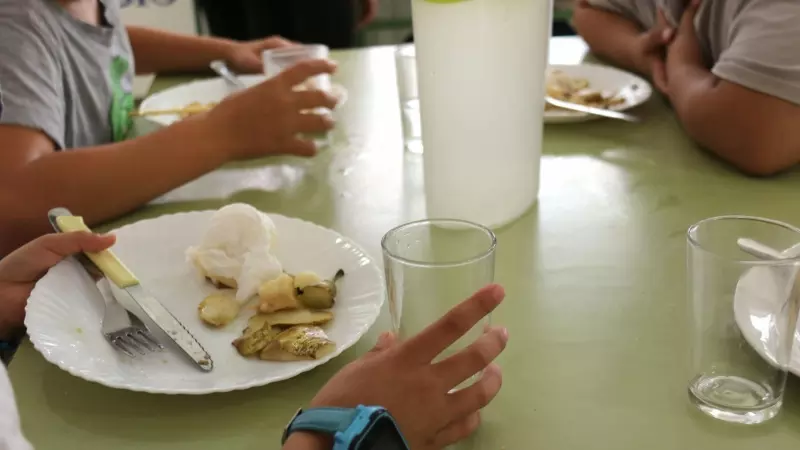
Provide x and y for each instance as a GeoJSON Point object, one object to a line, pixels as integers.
{"type": "Point", "coordinates": [121, 328]}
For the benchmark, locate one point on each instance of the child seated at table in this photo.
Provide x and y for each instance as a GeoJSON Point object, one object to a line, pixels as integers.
{"type": "Point", "coordinates": [66, 73]}
{"type": "Point", "coordinates": [730, 68]}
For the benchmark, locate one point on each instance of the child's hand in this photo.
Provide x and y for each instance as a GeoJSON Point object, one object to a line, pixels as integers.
{"type": "Point", "coordinates": [269, 118]}
{"type": "Point", "coordinates": [650, 46]}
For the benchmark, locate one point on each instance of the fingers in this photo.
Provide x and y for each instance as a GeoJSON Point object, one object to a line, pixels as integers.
{"type": "Point", "coordinates": [687, 20]}
{"type": "Point", "coordinates": [298, 147]}
{"type": "Point", "coordinates": [313, 122]}
{"type": "Point", "coordinates": [66, 244]}
{"type": "Point", "coordinates": [457, 431]}
{"type": "Point", "coordinates": [304, 70]}
{"type": "Point", "coordinates": [314, 98]}
{"type": "Point", "coordinates": [474, 398]}
{"type": "Point", "coordinates": [472, 359]}
{"type": "Point", "coordinates": [385, 341]}
{"type": "Point", "coordinates": [435, 338]}
{"type": "Point", "coordinates": [659, 74]}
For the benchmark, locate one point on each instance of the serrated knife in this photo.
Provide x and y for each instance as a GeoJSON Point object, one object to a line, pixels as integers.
{"type": "Point", "coordinates": [128, 284]}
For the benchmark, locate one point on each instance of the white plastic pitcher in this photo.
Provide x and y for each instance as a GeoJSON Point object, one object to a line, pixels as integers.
{"type": "Point", "coordinates": [481, 72]}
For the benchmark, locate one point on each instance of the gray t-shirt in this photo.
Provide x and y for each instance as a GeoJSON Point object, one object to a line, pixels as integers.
{"type": "Point", "coordinates": [67, 78]}
{"type": "Point", "coordinates": [752, 43]}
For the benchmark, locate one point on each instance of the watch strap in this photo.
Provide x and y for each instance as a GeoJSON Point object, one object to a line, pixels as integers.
{"type": "Point", "coordinates": [322, 420]}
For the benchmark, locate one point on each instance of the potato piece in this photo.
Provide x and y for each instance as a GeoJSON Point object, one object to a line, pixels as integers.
{"type": "Point", "coordinates": [299, 317]}
{"type": "Point", "coordinates": [256, 323]}
{"type": "Point", "coordinates": [297, 344]}
{"type": "Point", "coordinates": [255, 342]}
{"type": "Point", "coordinates": [278, 294]}
{"type": "Point", "coordinates": [219, 309]}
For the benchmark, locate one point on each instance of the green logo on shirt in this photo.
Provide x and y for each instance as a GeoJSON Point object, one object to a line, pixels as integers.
{"type": "Point", "coordinates": [121, 101]}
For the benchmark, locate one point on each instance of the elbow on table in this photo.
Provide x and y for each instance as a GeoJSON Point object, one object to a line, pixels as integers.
{"type": "Point", "coordinates": [762, 158]}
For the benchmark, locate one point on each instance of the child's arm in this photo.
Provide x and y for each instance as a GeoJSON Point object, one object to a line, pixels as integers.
{"type": "Point", "coordinates": [104, 181]}
{"type": "Point", "coordinates": [620, 40]}
{"type": "Point", "coordinates": [157, 51]}
{"type": "Point", "coordinates": [740, 111]}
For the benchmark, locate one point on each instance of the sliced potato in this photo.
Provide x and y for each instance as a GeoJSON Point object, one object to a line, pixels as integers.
{"type": "Point", "coordinates": [254, 342]}
{"type": "Point", "coordinates": [256, 323]}
{"type": "Point", "coordinates": [298, 317]}
{"type": "Point", "coordinates": [298, 343]}
{"type": "Point", "coordinates": [219, 309]}
{"type": "Point", "coordinates": [278, 294]}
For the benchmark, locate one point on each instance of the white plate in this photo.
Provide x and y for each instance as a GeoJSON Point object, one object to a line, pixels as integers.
{"type": "Point", "coordinates": [65, 309]}
{"type": "Point", "coordinates": [635, 90]}
{"type": "Point", "coordinates": [755, 303]}
{"type": "Point", "coordinates": [205, 91]}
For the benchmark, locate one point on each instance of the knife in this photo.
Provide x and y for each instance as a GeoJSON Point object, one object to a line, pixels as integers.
{"type": "Point", "coordinates": [592, 110]}
{"type": "Point", "coordinates": [130, 286]}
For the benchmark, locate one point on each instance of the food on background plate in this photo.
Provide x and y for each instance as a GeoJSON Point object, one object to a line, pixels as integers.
{"type": "Point", "coordinates": [236, 250]}
{"type": "Point", "coordinates": [561, 86]}
{"type": "Point", "coordinates": [196, 108]}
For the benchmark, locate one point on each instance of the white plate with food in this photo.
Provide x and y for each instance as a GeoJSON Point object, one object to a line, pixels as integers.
{"type": "Point", "coordinates": [759, 297]}
{"type": "Point", "coordinates": [171, 255]}
{"type": "Point", "coordinates": [200, 96]}
{"type": "Point", "coordinates": [593, 85]}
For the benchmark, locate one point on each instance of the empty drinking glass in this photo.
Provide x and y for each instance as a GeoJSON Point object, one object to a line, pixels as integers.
{"type": "Point", "coordinates": [744, 316]}
{"type": "Point", "coordinates": [406, 64]}
{"type": "Point", "coordinates": [277, 60]}
{"type": "Point", "coordinates": [433, 265]}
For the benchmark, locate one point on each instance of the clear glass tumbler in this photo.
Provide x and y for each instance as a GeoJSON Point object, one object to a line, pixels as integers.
{"type": "Point", "coordinates": [744, 317]}
{"type": "Point", "coordinates": [406, 64]}
{"type": "Point", "coordinates": [277, 60]}
{"type": "Point", "coordinates": [433, 265]}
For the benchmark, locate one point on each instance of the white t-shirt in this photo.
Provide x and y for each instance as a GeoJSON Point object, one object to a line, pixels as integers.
{"type": "Point", "coordinates": [10, 432]}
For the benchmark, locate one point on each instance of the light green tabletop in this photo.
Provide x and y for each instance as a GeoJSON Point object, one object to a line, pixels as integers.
{"type": "Point", "coordinates": [594, 275]}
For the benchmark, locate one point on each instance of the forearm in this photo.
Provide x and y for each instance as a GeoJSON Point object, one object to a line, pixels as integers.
{"type": "Point", "coordinates": [753, 131]}
{"type": "Point", "coordinates": [608, 35]}
{"type": "Point", "coordinates": [308, 441]}
{"type": "Point", "coordinates": [100, 183]}
{"type": "Point", "coordinates": [157, 51]}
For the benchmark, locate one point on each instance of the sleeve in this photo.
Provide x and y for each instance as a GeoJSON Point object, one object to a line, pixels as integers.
{"type": "Point", "coordinates": [762, 50]}
{"type": "Point", "coordinates": [625, 8]}
{"type": "Point", "coordinates": [31, 87]}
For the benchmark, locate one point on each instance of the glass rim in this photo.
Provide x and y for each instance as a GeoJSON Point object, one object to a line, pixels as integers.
{"type": "Point", "coordinates": [754, 262]}
{"type": "Point", "coordinates": [447, 264]}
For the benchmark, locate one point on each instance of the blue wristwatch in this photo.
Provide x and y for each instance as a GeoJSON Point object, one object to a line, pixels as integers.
{"type": "Point", "coordinates": [360, 428]}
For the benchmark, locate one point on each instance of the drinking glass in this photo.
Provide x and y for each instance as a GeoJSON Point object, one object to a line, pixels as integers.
{"type": "Point", "coordinates": [406, 64]}
{"type": "Point", "coordinates": [433, 265]}
{"type": "Point", "coordinates": [277, 60]}
{"type": "Point", "coordinates": [744, 317]}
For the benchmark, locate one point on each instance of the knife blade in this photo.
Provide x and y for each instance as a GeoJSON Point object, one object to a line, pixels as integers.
{"type": "Point", "coordinates": [128, 284]}
{"type": "Point", "coordinates": [592, 110]}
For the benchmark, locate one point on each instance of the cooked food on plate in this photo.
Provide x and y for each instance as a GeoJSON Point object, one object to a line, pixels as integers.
{"type": "Point", "coordinates": [235, 254]}
{"type": "Point", "coordinates": [578, 90]}
{"type": "Point", "coordinates": [236, 250]}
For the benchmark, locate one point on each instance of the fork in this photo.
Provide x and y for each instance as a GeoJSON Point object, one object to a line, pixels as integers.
{"type": "Point", "coordinates": [122, 329]}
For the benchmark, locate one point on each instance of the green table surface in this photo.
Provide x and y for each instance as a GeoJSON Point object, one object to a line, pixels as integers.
{"type": "Point", "coordinates": [595, 277]}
